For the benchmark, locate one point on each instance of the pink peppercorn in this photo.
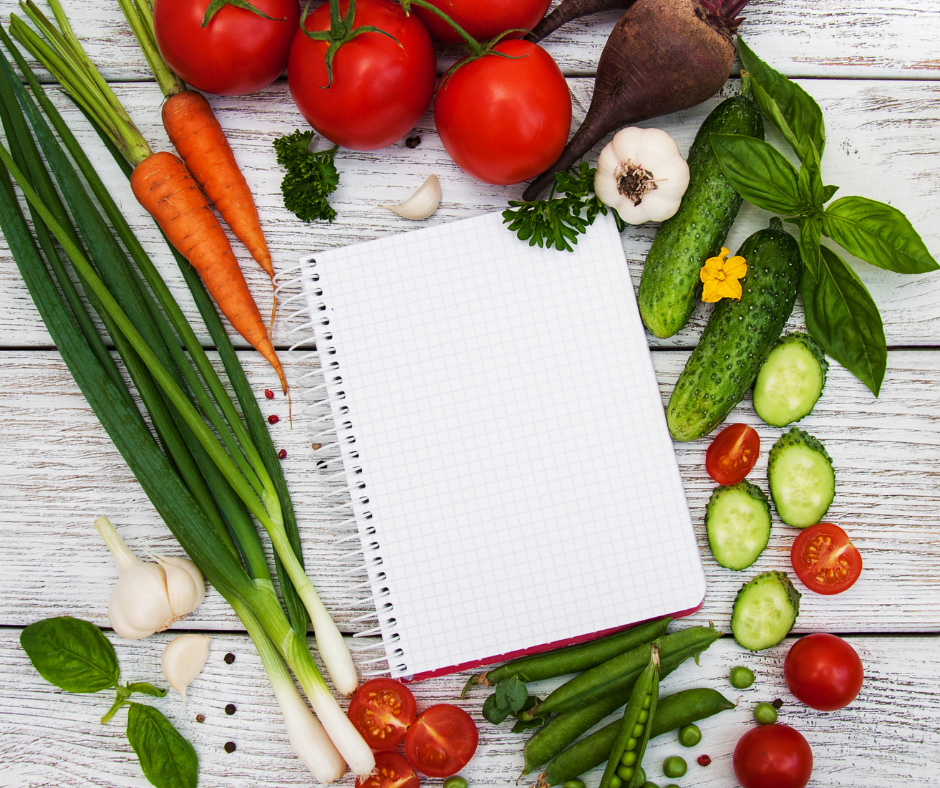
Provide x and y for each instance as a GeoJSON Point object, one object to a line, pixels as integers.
{"type": "Point", "coordinates": [269, 394]}
{"type": "Point", "coordinates": [273, 418]}
{"type": "Point", "coordinates": [282, 454]}
{"type": "Point", "coordinates": [703, 760]}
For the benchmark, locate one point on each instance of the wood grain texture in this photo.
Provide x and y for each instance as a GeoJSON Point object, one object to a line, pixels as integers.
{"type": "Point", "coordinates": [50, 739]}
{"type": "Point", "coordinates": [61, 471]}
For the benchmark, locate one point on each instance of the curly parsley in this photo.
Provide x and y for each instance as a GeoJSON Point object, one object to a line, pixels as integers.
{"type": "Point", "coordinates": [310, 179]}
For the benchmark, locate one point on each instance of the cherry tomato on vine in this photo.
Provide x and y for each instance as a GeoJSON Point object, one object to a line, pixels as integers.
{"type": "Point", "coordinates": [382, 84]}
{"type": "Point", "coordinates": [773, 756]}
{"type": "Point", "coordinates": [823, 671]}
{"type": "Point", "coordinates": [237, 52]}
{"type": "Point", "coordinates": [732, 454]}
{"type": "Point", "coordinates": [441, 741]}
{"type": "Point", "coordinates": [391, 771]}
{"type": "Point", "coordinates": [381, 710]}
{"type": "Point", "coordinates": [825, 559]}
{"type": "Point", "coordinates": [504, 119]}
{"type": "Point", "coordinates": [482, 19]}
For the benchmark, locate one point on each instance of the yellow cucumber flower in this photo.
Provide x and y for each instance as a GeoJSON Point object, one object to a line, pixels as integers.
{"type": "Point", "coordinates": [720, 277]}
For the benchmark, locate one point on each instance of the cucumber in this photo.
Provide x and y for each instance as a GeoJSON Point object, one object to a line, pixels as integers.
{"type": "Point", "coordinates": [670, 286]}
{"type": "Point", "coordinates": [737, 520]}
{"type": "Point", "coordinates": [738, 336]}
{"type": "Point", "coordinates": [765, 610]}
{"type": "Point", "coordinates": [791, 380]}
{"type": "Point", "coordinates": [802, 480]}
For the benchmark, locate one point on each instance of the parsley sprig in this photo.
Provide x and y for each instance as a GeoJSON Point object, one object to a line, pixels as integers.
{"type": "Point", "coordinates": [311, 176]}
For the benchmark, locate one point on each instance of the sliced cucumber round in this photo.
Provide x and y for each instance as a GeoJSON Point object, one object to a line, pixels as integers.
{"type": "Point", "coordinates": [737, 520]}
{"type": "Point", "coordinates": [790, 381]}
{"type": "Point", "coordinates": [765, 611]}
{"type": "Point", "coordinates": [802, 481]}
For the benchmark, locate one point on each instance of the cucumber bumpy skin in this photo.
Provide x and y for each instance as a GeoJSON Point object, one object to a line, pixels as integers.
{"type": "Point", "coordinates": [812, 507]}
{"type": "Point", "coordinates": [739, 544]}
{"type": "Point", "coordinates": [765, 610]}
{"type": "Point", "coordinates": [787, 380]}
{"type": "Point", "coordinates": [738, 336]}
{"type": "Point", "coordinates": [670, 285]}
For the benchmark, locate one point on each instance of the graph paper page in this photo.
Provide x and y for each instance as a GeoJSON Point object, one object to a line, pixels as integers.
{"type": "Point", "coordinates": [510, 436]}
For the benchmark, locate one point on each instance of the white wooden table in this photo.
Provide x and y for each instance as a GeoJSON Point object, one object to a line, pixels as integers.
{"type": "Point", "coordinates": [874, 66]}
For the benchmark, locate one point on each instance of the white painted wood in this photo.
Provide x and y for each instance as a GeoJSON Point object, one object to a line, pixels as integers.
{"type": "Point", "coordinates": [886, 737]}
{"type": "Point", "coordinates": [61, 471]}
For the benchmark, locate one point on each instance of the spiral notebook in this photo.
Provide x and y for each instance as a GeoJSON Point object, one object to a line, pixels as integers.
{"type": "Point", "coordinates": [513, 482]}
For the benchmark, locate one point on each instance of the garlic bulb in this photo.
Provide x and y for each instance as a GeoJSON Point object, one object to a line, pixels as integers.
{"type": "Point", "coordinates": [422, 203]}
{"type": "Point", "coordinates": [183, 659]}
{"type": "Point", "coordinates": [147, 598]}
{"type": "Point", "coordinates": [641, 175]}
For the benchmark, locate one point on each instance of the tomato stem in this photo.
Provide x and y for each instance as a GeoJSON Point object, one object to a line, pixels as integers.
{"type": "Point", "coordinates": [475, 47]}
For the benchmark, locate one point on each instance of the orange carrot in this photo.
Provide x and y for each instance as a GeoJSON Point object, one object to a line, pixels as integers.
{"type": "Point", "coordinates": [162, 184]}
{"type": "Point", "coordinates": [197, 136]}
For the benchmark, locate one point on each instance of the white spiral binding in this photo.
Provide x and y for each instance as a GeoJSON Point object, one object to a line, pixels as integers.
{"type": "Point", "coordinates": [336, 460]}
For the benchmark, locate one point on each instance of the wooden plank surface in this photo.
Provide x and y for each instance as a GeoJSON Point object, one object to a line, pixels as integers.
{"type": "Point", "coordinates": [50, 739]}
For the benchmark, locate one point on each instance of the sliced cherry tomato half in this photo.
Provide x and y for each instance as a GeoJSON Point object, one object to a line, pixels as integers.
{"type": "Point", "coordinates": [441, 741]}
{"type": "Point", "coordinates": [825, 559]}
{"type": "Point", "coordinates": [391, 771]}
{"type": "Point", "coordinates": [381, 710]}
{"type": "Point", "coordinates": [732, 454]}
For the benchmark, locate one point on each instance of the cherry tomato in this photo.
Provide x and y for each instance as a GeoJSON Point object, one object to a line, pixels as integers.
{"type": "Point", "coordinates": [825, 560]}
{"type": "Point", "coordinates": [732, 454]}
{"type": "Point", "coordinates": [773, 756]}
{"type": "Point", "coordinates": [381, 710]}
{"type": "Point", "coordinates": [441, 741]}
{"type": "Point", "coordinates": [381, 87]}
{"type": "Point", "coordinates": [238, 52]}
{"type": "Point", "coordinates": [391, 771]}
{"type": "Point", "coordinates": [823, 671]}
{"type": "Point", "coordinates": [501, 120]}
{"type": "Point", "coordinates": [482, 19]}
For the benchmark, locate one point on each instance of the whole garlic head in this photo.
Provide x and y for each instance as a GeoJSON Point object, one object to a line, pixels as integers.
{"type": "Point", "coordinates": [641, 174]}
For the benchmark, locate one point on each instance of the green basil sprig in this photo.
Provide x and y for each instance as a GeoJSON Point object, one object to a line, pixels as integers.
{"type": "Point", "coordinates": [75, 656]}
{"type": "Point", "coordinates": [841, 315]}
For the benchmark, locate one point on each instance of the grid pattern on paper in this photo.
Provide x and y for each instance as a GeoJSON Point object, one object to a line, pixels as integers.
{"type": "Point", "coordinates": [521, 480]}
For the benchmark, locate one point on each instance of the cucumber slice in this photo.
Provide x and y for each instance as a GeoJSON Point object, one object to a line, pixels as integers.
{"type": "Point", "coordinates": [802, 481]}
{"type": "Point", "coordinates": [737, 520]}
{"type": "Point", "coordinates": [790, 381]}
{"type": "Point", "coordinates": [765, 611]}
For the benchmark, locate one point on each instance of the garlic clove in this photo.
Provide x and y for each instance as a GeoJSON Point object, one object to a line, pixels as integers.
{"type": "Point", "coordinates": [139, 605]}
{"type": "Point", "coordinates": [183, 659]}
{"type": "Point", "coordinates": [184, 584]}
{"type": "Point", "coordinates": [422, 203]}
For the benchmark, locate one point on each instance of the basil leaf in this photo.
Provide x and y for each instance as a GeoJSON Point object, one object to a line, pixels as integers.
{"type": "Point", "coordinates": [785, 104]}
{"type": "Point", "coordinates": [146, 689]}
{"type": "Point", "coordinates": [808, 241]}
{"type": "Point", "coordinates": [759, 173]}
{"type": "Point", "coordinates": [878, 234]}
{"type": "Point", "coordinates": [842, 317]}
{"type": "Point", "coordinates": [492, 711]}
{"type": "Point", "coordinates": [166, 758]}
{"type": "Point", "coordinates": [828, 191]}
{"type": "Point", "coordinates": [72, 654]}
{"type": "Point", "coordinates": [809, 179]}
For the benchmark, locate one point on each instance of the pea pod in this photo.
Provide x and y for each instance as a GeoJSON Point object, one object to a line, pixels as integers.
{"type": "Point", "coordinates": [633, 733]}
{"type": "Point", "coordinates": [572, 659]}
{"type": "Point", "coordinates": [673, 712]}
{"type": "Point", "coordinates": [614, 675]}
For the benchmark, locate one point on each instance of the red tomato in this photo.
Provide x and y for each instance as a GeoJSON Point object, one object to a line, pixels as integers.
{"type": "Point", "coordinates": [732, 454]}
{"type": "Point", "coordinates": [504, 121]}
{"type": "Point", "coordinates": [238, 52]}
{"type": "Point", "coordinates": [441, 741]}
{"type": "Point", "coordinates": [381, 710]}
{"type": "Point", "coordinates": [391, 771]}
{"type": "Point", "coordinates": [773, 756]}
{"type": "Point", "coordinates": [825, 560]}
{"type": "Point", "coordinates": [381, 86]}
{"type": "Point", "coordinates": [482, 19]}
{"type": "Point", "coordinates": [823, 671]}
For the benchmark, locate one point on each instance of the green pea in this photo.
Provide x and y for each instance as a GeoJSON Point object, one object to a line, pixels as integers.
{"type": "Point", "coordinates": [641, 780]}
{"type": "Point", "coordinates": [741, 677]}
{"type": "Point", "coordinates": [574, 784]}
{"type": "Point", "coordinates": [648, 784]}
{"type": "Point", "coordinates": [629, 758]}
{"type": "Point", "coordinates": [765, 713]}
{"type": "Point", "coordinates": [675, 766]}
{"type": "Point", "coordinates": [643, 716]}
{"type": "Point", "coordinates": [647, 701]}
{"type": "Point", "coordinates": [615, 782]}
{"type": "Point", "coordinates": [689, 735]}
{"type": "Point", "coordinates": [637, 731]}
{"type": "Point", "coordinates": [459, 782]}
{"type": "Point", "coordinates": [625, 773]}
{"type": "Point", "coordinates": [631, 743]}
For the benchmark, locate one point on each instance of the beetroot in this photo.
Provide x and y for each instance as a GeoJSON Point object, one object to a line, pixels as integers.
{"type": "Point", "coordinates": [574, 9]}
{"type": "Point", "coordinates": [662, 56]}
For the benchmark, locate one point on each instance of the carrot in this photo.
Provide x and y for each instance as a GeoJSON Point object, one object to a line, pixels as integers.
{"type": "Point", "coordinates": [164, 186]}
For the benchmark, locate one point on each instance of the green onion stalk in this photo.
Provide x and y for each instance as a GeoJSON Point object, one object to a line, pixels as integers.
{"type": "Point", "coordinates": [239, 461]}
{"type": "Point", "coordinates": [205, 496]}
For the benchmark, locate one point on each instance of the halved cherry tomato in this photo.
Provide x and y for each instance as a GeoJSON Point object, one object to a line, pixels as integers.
{"type": "Point", "coordinates": [823, 671]}
{"type": "Point", "coordinates": [441, 741]}
{"type": "Point", "coordinates": [825, 559]}
{"type": "Point", "coordinates": [391, 771]}
{"type": "Point", "coordinates": [732, 454]}
{"type": "Point", "coordinates": [381, 710]}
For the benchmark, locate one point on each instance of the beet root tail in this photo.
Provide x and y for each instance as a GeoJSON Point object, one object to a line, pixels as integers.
{"type": "Point", "coordinates": [570, 10]}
